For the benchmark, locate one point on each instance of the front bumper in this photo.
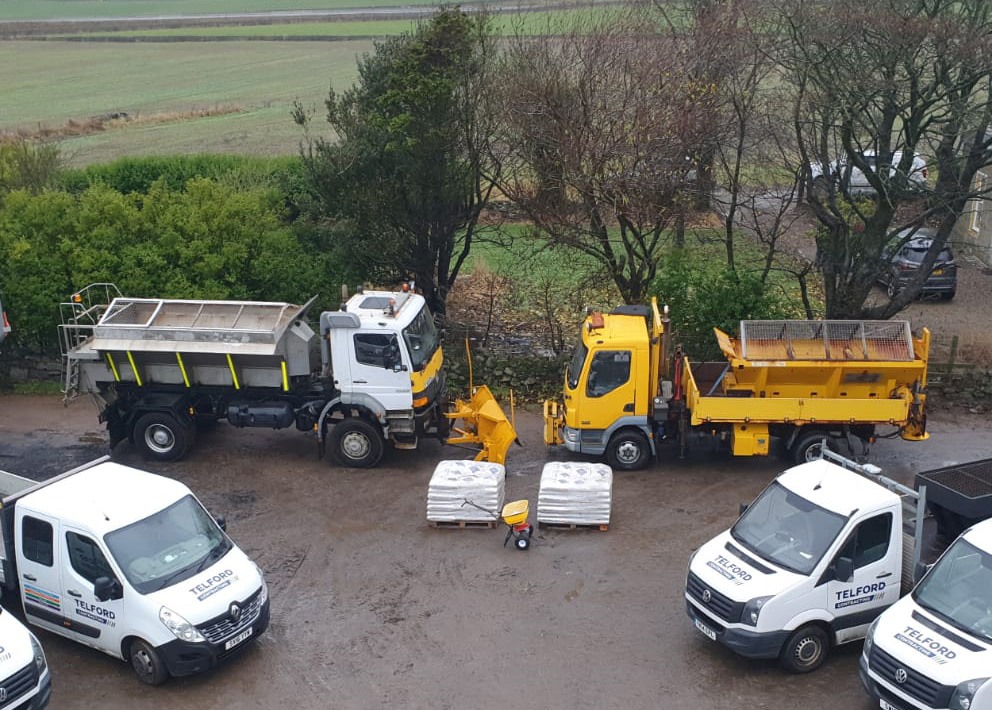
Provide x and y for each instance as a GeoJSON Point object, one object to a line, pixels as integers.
{"type": "Point", "coordinates": [750, 644]}
{"type": "Point", "coordinates": [184, 658]}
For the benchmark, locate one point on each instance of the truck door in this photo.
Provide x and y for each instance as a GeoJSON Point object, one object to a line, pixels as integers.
{"type": "Point", "coordinates": [609, 390]}
{"type": "Point", "coordinates": [869, 560]}
{"type": "Point", "coordinates": [38, 566]}
{"type": "Point", "coordinates": [90, 621]}
{"type": "Point", "coordinates": [379, 369]}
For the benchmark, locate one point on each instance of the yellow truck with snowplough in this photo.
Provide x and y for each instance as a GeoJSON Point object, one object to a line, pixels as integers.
{"type": "Point", "coordinates": [801, 382]}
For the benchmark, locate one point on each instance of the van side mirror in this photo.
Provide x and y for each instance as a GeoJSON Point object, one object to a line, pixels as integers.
{"type": "Point", "coordinates": [843, 569]}
{"type": "Point", "coordinates": [106, 588]}
{"type": "Point", "coordinates": [742, 509]}
{"type": "Point", "coordinates": [221, 522]}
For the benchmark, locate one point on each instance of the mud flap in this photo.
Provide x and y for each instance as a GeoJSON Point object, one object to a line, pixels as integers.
{"type": "Point", "coordinates": [484, 424]}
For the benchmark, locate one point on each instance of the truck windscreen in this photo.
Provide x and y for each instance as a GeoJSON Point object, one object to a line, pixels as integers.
{"type": "Point", "coordinates": [169, 546]}
{"type": "Point", "coordinates": [787, 530]}
{"type": "Point", "coordinates": [959, 589]}
{"type": "Point", "coordinates": [421, 339]}
{"type": "Point", "coordinates": [575, 365]}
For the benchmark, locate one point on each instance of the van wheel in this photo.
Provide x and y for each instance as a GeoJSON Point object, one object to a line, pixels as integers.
{"type": "Point", "coordinates": [146, 663]}
{"type": "Point", "coordinates": [628, 451]}
{"type": "Point", "coordinates": [162, 437]}
{"type": "Point", "coordinates": [357, 443]}
{"type": "Point", "coordinates": [807, 446]}
{"type": "Point", "coordinates": [892, 287]}
{"type": "Point", "coordinates": [805, 650]}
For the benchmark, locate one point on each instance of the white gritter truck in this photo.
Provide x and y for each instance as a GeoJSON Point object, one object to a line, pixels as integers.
{"type": "Point", "coordinates": [373, 375]}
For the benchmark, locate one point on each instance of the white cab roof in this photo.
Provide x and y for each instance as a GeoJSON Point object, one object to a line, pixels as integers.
{"type": "Point", "coordinates": [105, 497]}
{"type": "Point", "coordinates": [386, 309]}
{"type": "Point", "coordinates": [836, 489]}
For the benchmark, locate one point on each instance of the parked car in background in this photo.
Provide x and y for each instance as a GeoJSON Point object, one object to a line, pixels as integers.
{"type": "Point", "coordinates": [904, 262]}
{"type": "Point", "coordinates": [858, 184]}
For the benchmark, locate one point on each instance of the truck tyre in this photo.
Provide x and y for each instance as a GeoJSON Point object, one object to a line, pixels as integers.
{"type": "Point", "coordinates": [162, 437]}
{"type": "Point", "coordinates": [357, 443]}
{"type": "Point", "coordinates": [808, 445]}
{"type": "Point", "coordinates": [805, 650]}
{"type": "Point", "coordinates": [628, 451]}
{"type": "Point", "coordinates": [146, 663]}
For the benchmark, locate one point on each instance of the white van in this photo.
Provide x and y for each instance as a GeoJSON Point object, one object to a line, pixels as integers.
{"type": "Point", "coordinates": [131, 563]}
{"type": "Point", "coordinates": [25, 682]}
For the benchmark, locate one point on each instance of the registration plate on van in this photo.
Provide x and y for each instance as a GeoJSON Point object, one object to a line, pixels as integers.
{"type": "Point", "coordinates": [886, 706]}
{"type": "Point", "coordinates": [707, 631]}
{"type": "Point", "coordinates": [238, 639]}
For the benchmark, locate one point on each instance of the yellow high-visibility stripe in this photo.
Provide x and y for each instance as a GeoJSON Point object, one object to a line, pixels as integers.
{"type": "Point", "coordinates": [182, 368]}
{"type": "Point", "coordinates": [112, 366]}
{"type": "Point", "coordinates": [285, 377]}
{"type": "Point", "coordinates": [234, 375]}
{"type": "Point", "coordinates": [134, 368]}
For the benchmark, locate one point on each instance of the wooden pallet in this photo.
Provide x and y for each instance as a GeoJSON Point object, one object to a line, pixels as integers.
{"type": "Point", "coordinates": [484, 524]}
{"type": "Point", "coordinates": [573, 526]}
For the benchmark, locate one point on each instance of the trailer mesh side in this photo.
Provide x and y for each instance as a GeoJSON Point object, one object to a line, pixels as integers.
{"type": "Point", "coordinates": [826, 340]}
{"type": "Point", "coordinates": [973, 480]}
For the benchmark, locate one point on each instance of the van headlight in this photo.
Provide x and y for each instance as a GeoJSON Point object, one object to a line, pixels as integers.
{"type": "Point", "coordinates": [40, 662]}
{"type": "Point", "coordinates": [183, 630]}
{"type": "Point", "coordinates": [264, 594]}
{"type": "Point", "coordinates": [963, 694]}
{"type": "Point", "coordinates": [752, 610]}
{"type": "Point", "coordinates": [870, 638]}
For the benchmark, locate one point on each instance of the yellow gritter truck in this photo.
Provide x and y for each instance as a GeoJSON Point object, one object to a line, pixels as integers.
{"type": "Point", "coordinates": [803, 382]}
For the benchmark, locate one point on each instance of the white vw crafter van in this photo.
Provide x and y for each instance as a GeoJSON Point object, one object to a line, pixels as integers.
{"type": "Point", "coordinates": [130, 563]}
{"type": "Point", "coordinates": [25, 682]}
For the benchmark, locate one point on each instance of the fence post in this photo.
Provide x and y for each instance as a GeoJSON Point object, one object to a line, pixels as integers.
{"type": "Point", "coordinates": [954, 354]}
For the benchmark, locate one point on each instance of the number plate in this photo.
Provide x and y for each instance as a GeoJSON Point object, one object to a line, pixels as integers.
{"type": "Point", "coordinates": [238, 639]}
{"type": "Point", "coordinates": [886, 706]}
{"type": "Point", "coordinates": [936, 272]}
{"type": "Point", "coordinates": [707, 631]}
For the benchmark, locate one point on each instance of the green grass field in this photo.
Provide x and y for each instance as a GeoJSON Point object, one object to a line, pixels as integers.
{"type": "Point", "coordinates": [61, 9]}
{"type": "Point", "coordinates": [52, 82]}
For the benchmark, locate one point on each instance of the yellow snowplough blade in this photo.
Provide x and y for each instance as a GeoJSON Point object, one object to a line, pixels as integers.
{"type": "Point", "coordinates": [485, 424]}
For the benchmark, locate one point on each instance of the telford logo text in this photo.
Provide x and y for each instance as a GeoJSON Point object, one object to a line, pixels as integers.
{"type": "Point", "coordinates": [730, 570]}
{"type": "Point", "coordinates": [212, 585]}
{"type": "Point", "coordinates": [928, 646]}
{"type": "Point", "coordinates": [859, 595]}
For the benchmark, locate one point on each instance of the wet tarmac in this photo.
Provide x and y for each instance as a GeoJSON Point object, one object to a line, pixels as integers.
{"type": "Point", "coordinates": [372, 608]}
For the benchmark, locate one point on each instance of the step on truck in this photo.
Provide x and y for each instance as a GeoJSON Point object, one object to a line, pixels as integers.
{"type": "Point", "coordinates": [800, 382]}
{"type": "Point", "coordinates": [129, 563]}
{"type": "Point", "coordinates": [157, 367]}
{"type": "Point", "coordinates": [823, 551]}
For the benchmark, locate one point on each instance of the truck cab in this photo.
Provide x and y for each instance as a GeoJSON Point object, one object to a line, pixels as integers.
{"type": "Point", "coordinates": [808, 565]}
{"type": "Point", "coordinates": [933, 648]}
{"type": "Point", "coordinates": [24, 677]}
{"type": "Point", "coordinates": [131, 563]}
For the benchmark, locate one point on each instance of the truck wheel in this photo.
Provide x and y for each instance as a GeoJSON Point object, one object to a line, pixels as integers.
{"type": "Point", "coordinates": [146, 663]}
{"type": "Point", "coordinates": [805, 650]}
{"type": "Point", "coordinates": [357, 443]}
{"type": "Point", "coordinates": [162, 437]}
{"type": "Point", "coordinates": [807, 446]}
{"type": "Point", "coordinates": [628, 451]}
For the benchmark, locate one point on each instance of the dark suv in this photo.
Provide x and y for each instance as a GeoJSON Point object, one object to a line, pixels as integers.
{"type": "Point", "coordinates": [906, 260]}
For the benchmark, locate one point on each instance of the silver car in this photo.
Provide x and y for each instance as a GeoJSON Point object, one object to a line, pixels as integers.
{"type": "Point", "coordinates": [857, 183]}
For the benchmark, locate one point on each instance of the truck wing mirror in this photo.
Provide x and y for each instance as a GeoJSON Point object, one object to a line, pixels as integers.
{"type": "Point", "coordinates": [106, 588]}
{"type": "Point", "coordinates": [221, 522]}
{"type": "Point", "coordinates": [843, 569]}
{"type": "Point", "coordinates": [742, 508]}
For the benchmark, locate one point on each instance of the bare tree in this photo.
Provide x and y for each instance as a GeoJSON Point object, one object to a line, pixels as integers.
{"type": "Point", "coordinates": [600, 122]}
{"type": "Point", "coordinates": [874, 85]}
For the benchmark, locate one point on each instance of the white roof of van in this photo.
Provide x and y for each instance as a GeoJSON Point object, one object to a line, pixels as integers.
{"type": "Point", "coordinates": [105, 497]}
{"type": "Point", "coordinates": [835, 488]}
